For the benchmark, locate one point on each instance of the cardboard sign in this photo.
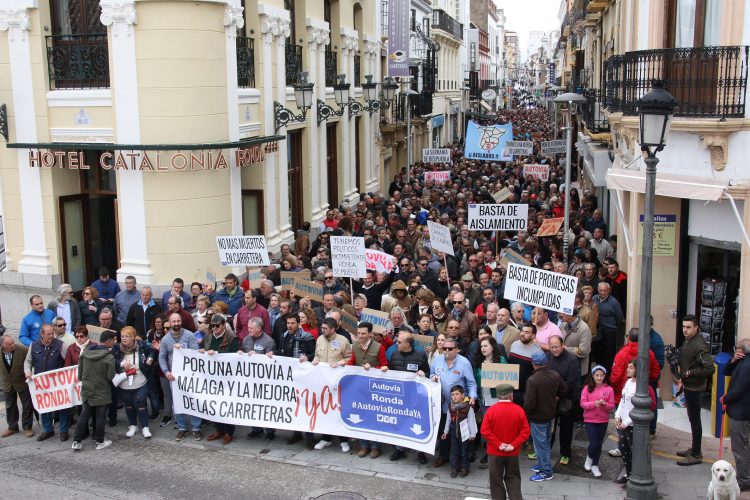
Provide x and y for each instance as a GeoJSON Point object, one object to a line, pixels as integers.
{"type": "Point", "coordinates": [305, 288]}
{"type": "Point", "coordinates": [424, 341]}
{"type": "Point", "coordinates": [436, 156]}
{"type": "Point", "coordinates": [95, 332]}
{"type": "Point", "coordinates": [513, 256]}
{"type": "Point", "coordinates": [439, 177]}
{"type": "Point", "coordinates": [349, 323]}
{"type": "Point", "coordinates": [553, 147]}
{"type": "Point", "coordinates": [243, 251]}
{"type": "Point", "coordinates": [289, 278]}
{"type": "Point", "coordinates": [541, 288]}
{"type": "Point", "coordinates": [505, 217]}
{"type": "Point", "coordinates": [379, 319]}
{"type": "Point", "coordinates": [540, 172]}
{"type": "Point", "coordinates": [378, 261]}
{"type": "Point", "coordinates": [254, 277]}
{"type": "Point", "coordinates": [440, 238]}
{"type": "Point", "coordinates": [520, 147]}
{"type": "Point", "coordinates": [502, 195]}
{"type": "Point", "coordinates": [348, 254]}
{"type": "Point", "coordinates": [550, 227]}
{"type": "Point", "coordinates": [495, 374]}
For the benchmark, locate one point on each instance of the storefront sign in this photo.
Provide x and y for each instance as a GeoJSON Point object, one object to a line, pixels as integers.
{"type": "Point", "coordinates": [541, 288]}
{"type": "Point", "coordinates": [505, 217]}
{"type": "Point", "coordinates": [398, 38]}
{"type": "Point", "coordinates": [243, 251]}
{"type": "Point", "coordinates": [436, 155]}
{"type": "Point", "coordinates": [348, 254]}
{"type": "Point", "coordinates": [540, 172]}
{"type": "Point", "coordinates": [55, 390]}
{"type": "Point", "coordinates": [664, 235]}
{"type": "Point", "coordinates": [397, 408]}
{"type": "Point", "coordinates": [440, 238]}
{"type": "Point", "coordinates": [439, 177]}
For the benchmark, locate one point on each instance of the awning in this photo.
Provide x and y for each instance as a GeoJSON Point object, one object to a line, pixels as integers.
{"type": "Point", "coordinates": [674, 186]}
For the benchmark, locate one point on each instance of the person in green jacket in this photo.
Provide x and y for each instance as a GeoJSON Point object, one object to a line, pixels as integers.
{"type": "Point", "coordinates": [489, 352]}
{"type": "Point", "coordinates": [96, 367]}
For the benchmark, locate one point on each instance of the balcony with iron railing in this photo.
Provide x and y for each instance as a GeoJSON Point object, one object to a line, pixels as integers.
{"type": "Point", "coordinates": [245, 62]}
{"type": "Point", "coordinates": [331, 65]}
{"type": "Point", "coordinates": [78, 61]}
{"type": "Point", "coordinates": [592, 112]}
{"type": "Point", "coordinates": [293, 63]}
{"type": "Point", "coordinates": [357, 70]}
{"type": "Point", "coordinates": [706, 82]}
{"type": "Point", "coordinates": [442, 21]}
{"type": "Point", "coordinates": [421, 105]}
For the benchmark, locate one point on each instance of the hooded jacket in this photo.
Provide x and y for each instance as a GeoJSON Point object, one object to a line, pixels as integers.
{"type": "Point", "coordinates": [618, 377]}
{"type": "Point", "coordinates": [392, 301]}
{"type": "Point", "coordinates": [96, 367]}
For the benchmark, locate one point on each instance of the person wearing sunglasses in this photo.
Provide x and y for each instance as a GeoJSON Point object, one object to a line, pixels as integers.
{"type": "Point", "coordinates": [59, 325]}
{"type": "Point", "coordinates": [451, 369]}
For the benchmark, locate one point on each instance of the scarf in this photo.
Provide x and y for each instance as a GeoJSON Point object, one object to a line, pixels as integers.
{"type": "Point", "coordinates": [456, 314]}
{"type": "Point", "coordinates": [129, 350]}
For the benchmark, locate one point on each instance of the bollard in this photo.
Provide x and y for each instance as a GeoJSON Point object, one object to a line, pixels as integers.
{"type": "Point", "coordinates": [719, 388]}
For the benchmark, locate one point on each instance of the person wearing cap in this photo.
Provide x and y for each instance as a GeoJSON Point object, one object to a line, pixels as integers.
{"type": "Point", "coordinates": [577, 337]}
{"type": "Point", "coordinates": [597, 400]}
{"type": "Point", "coordinates": [543, 389]}
{"type": "Point", "coordinates": [505, 428]}
{"type": "Point", "coordinates": [566, 365]}
{"type": "Point", "coordinates": [472, 291]}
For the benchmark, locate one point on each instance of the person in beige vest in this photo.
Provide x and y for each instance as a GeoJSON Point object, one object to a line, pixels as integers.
{"type": "Point", "coordinates": [577, 338]}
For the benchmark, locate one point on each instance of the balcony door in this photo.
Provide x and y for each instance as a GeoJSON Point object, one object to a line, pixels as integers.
{"type": "Point", "coordinates": [332, 166]}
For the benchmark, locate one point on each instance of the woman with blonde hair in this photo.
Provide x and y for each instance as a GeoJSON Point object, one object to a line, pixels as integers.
{"type": "Point", "coordinates": [134, 361]}
{"type": "Point", "coordinates": [89, 306]}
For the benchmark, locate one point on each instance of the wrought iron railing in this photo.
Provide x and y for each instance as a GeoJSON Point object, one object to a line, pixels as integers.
{"type": "Point", "coordinates": [591, 112]}
{"type": "Point", "coordinates": [421, 105]}
{"type": "Point", "coordinates": [245, 62]}
{"type": "Point", "coordinates": [293, 63]}
{"type": "Point", "coordinates": [357, 70]}
{"type": "Point", "coordinates": [441, 20]}
{"type": "Point", "coordinates": [78, 61]}
{"type": "Point", "coordinates": [384, 19]}
{"type": "Point", "coordinates": [706, 82]}
{"type": "Point", "coordinates": [331, 67]}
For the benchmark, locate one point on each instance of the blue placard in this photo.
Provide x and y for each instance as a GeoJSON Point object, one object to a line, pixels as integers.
{"type": "Point", "coordinates": [488, 142]}
{"type": "Point", "coordinates": [387, 407]}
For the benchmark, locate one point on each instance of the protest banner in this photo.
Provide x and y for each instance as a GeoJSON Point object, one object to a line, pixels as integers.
{"type": "Point", "coordinates": [378, 261]}
{"type": "Point", "coordinates": [538, 287]}
{"type": "Point", "coordinates": [513, 256]}
{"type": "Point", "coordinates": [440, 238]}
{"type": "Point", "coordinates": [349, 323]}
{"type": "Point", "coordinates": [503, 217]}
{"type": "Point", "coordinates": [394, 407]}
{"type": "Point", "coordinates": [502, 195]}
{"type": "Point", "coordinates": [436, 155]}
{"type": "Point", "coordinates": [379, 319]}
{"type": "Point", "coordinates": [553, 147]}
{"type": "Point", "coordinates": [424, 341]}
{"type": "Point", "coordinates": [55, 390]}
{"type": "Point", "coordinates": [518, 148]}
{"type": "Point", "coordinates": [95, 332]}
{"type": "Point", "coordinates": [488, 142]}
{"type": "Point", "coordinates": [536, 171]}
{"type": "Point", "coordinates": [254, 277]}
{"type": "Point", "coordinates": [243, 251]}
{"type": "Point", "coordinates": [306, 288]}
{"type": "Point", "coordinates": [348, 254]}
{"type": "Point", "coordinates": [288, 278]}
{"type": "Point", "coordinates": [549, 227]}
{"type": "Point", "coordinates": [439, 177]}
{"type": "Point", "coordinates": [494, 374]}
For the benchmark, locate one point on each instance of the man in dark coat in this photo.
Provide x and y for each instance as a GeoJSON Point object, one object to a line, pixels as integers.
{"type": "Point", "coordinates": [14, 387]}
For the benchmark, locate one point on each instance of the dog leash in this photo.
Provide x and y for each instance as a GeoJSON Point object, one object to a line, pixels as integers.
{"type": "Point", "coordinates": [721, 430]}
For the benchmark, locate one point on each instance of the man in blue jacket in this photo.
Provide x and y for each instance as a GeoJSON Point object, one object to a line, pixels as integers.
{"type": "Point", "coordinates": [232, 295]}
{"type": "Point", "coordinates": [31, 324]}
{"type": "Point", "coordinates": [738, 408]}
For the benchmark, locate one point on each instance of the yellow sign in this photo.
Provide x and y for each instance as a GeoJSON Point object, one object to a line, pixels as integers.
{"type": "Point", "coordinates": [664, 235]}
{"type": "Point", "coordinates": [494, 374]}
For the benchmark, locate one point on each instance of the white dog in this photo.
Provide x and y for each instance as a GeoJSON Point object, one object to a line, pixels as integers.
{"type": "Point", "coordinates": [723, 485]}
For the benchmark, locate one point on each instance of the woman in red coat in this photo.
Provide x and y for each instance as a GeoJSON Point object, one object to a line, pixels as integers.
{"type": "Point", "coordinates": [74, 350]}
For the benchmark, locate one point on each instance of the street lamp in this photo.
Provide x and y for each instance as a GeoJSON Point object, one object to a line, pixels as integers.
{"type": "Point", "coordinates": [341, 94]}
{"type": "Point", "coordinates": [389, 91]}
{"type": "Point", "coordinates": [408, 93]}
{"type": "Point", "coordinates": [655, 110]}
{"type": "Point", "coordinates": [370, 91]}
{"type": "Point", "coordinates": [303, 95]}
{"type": "Point", "coordinates": [570, 98]}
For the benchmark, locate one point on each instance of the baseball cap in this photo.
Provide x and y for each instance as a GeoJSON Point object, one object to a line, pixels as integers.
{"type": "Point", "coordinates": [539, 359]}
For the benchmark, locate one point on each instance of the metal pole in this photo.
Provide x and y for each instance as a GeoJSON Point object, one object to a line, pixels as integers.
{"type": "Point", "coordinates": [408, 138]}
{"type": "Point", "coordinates": [641, 484]}
{"type": "Point", "coordinates": [568, 154]}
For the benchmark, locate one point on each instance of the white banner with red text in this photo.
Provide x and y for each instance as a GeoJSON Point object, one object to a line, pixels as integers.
{"type": "Point", "coordinates": [55, 390]}
{"type": "Point", "coordinates": [398, 408]}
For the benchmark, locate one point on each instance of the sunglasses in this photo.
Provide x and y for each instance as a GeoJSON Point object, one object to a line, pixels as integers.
{"type": "Point", "coordinates": [216, 326]}
{"type": "Point", "coordinates": [458, 301]}
{"type": "Point", "coordinates": [449, 348]}
{"type": "Point", "coordinates": [80, 336]}
{"type": "Point", "coordinates": [61, 324]}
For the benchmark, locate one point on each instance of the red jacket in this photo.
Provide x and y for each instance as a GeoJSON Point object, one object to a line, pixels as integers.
{"type": "Point", "coordinates": [618, 377]}
{"type": "Point", "coordinates": [505, 422]}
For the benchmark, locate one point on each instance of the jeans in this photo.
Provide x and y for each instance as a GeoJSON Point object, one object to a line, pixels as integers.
{"type": "Point", "coordinates": [652, 425]}
{"type": "Point", "coordinates": [183, 420]}
{"type": "Point", "coordinates": [739, 430]}
{"type": "Point", "coordinates": [99, 412]}
{"type": "Point", "coordinates": [540, 434]}
{"type": "Point", "coordinates": [167, 390]}
{"type": "Point", "coordinates": [49, 426]}
{"type": "Point", "coordinates": [596, 434]}
{"type": "Point", "coordinates": [459, 449]}
{"type": "Point", "coordinates": [373, 445]}
{"type": "Point", "coordinates": [693, 404]}
{"type": "Point", "coordinates": [11, 409]}
{"type": "Point", "coordinates": [135, 405]}
{"type": "Point", "coordinates": [153, 394]}
{"type": "Point", "coordinates": [625, 445]}
{"type": "Point", "coordinates": [505, 470]}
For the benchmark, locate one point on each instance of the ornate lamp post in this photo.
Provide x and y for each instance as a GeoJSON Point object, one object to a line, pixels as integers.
{"type": "Point", "coordinates": [655, 110]}
{"type": "Point", "coordinates": [303, 95]}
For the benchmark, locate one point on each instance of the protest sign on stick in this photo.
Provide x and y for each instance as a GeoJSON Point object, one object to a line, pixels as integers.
{"type": "Point", "coordinates": [243, 251]}
{"type": "Point", "coordinates": [348, 255]}
{"type": "Point", "coordinates": [440, 238]}
{"type": "Point", "coordinates": [538, 287]}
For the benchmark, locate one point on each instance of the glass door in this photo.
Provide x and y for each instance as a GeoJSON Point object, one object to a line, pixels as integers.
{"type": "Point", "coordinates": [73, 241]}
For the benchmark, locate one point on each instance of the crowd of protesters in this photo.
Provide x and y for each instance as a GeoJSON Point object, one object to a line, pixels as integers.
{"type": "Point", "coordinates": [564, 359]}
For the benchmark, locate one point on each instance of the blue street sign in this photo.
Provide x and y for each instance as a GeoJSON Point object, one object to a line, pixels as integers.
{"type": "Point", "coordinates": [387, 407]}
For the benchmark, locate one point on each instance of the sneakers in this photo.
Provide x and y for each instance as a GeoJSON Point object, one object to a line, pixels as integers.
{"type": "Point", "coordinates": [77, 446]}
{"type": "Point", "coordinates": [323, 444]}
{"type": "Point", "coordinates": [587, 463]}
{"type": "Point", "coordinates": [345, 447]}
{"type": "Point", "coordinates": [541, 476]}
{"type": "Point", "coordinates": [535, 469]}
{"type": "Point", "coordinates": [531, 456]}
{"type": "Point", "coordinates": [595, 471]}
{"type": "Point", "coordinates": [131, 431]}
{"type": "Point", "coordinates": [165, 421]}
{"type": "Point", "coordinates": [198, 435]}
{"type": "Point", "coordinates": [146, 432]}
{"type": "Point", "coordinates": [690, 460]}
{"type": "Point", "coordinates": [180, 436]}
{"type": "Point", "coordinates": [103, 444]}
{"type": "Point", "coordinates": [564, 460]}
{"type": "Point", "coordinates": [616, 453]}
